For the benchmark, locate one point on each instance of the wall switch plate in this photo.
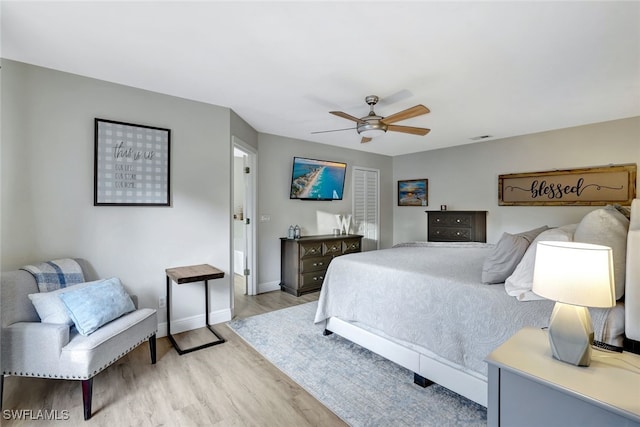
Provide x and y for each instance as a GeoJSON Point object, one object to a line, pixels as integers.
{"type": "Point", "coordinates": [162, 302]}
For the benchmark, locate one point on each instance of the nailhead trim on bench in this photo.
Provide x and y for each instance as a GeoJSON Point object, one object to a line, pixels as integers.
{"type": "Point", "coordinates": [97, 371]}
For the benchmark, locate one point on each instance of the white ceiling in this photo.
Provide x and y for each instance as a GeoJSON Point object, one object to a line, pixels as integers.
{"type": "Point", "coordinates": [483, 68]}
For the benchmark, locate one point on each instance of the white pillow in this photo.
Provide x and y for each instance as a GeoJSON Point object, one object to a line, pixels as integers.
{"type": "Point", "coordinates": [608, 227]}
{"type": "Point", "coordinates": [519, 284]}
{"type": "Point", "coordinates": [49, 306]}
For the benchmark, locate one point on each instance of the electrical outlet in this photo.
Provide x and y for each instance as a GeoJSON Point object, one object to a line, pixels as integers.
{"type": "Point", "coordinates": [162, 302]}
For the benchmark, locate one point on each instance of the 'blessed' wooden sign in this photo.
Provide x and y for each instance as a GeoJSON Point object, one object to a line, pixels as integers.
{"type": "Point", "coordinates": [594, 186]}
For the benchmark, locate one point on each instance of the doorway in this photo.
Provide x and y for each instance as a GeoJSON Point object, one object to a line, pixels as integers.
{"type": "Point", "coordinates": [244, 160]}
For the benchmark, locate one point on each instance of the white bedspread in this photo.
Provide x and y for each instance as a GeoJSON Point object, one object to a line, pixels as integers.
{"type": "Point", "coordinates": [431, 295]}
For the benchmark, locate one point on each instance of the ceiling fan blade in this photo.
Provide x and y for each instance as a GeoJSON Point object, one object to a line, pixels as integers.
{"type": "Point", "coordinates": [415, 111]}
{"type": "Point", "coordinates": [346, 116]}
{"type": "Point", "coordinates": [409, 129]}
{"type": "Point", "coordinates": [365, 139]}
{"type": "Point", "coordinates": [333, 130]}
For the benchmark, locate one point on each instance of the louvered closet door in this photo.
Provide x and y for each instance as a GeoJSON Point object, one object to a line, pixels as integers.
{"type": "Point", "coordinates": [366, 206]}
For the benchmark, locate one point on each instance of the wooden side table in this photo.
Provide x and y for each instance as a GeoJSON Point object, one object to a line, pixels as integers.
{"type": "Point", "coordinates": [191, 274]}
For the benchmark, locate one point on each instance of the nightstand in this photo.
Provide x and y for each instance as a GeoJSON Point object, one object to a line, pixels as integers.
{"type": "Point", "coordinates": [528, 387]}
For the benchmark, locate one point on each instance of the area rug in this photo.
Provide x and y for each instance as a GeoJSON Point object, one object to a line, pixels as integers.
{"type": "Point", "coordinates": [359, 386]}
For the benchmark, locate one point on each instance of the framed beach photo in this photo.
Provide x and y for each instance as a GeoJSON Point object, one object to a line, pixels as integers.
{"type": "Point", "coordinates": [413, 192]}
{"type": "Point", "coordinates": [131, 164]}
{"type": "Point", "coordinates": [313, 179]}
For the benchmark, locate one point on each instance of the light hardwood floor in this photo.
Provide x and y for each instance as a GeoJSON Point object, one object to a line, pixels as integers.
{"type": "Point", "coordinates": [225, 385]}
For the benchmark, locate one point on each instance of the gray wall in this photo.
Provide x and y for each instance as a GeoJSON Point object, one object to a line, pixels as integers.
{"type": "Point", "coordinates": [241, 129]}
{"type": "Point", "coordinates": [275, 159]}
{"type": "Point", "coordinates": [466, 177]}
{"type": "Point", "coordinates": [47, 186]}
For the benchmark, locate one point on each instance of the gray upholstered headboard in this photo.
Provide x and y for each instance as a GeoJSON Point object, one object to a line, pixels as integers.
{"type": "Point", "coordinates": [632, 282]}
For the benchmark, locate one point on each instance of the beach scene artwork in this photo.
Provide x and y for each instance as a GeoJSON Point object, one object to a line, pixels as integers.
{"type": "Point", "coordinates": [317, 179]}
{"type": "Point", "coordinates": [413, 192]}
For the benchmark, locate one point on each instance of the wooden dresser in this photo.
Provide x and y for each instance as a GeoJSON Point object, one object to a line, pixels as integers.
{"type": "Point", "coordinates": [304, 261]}
{"type": "Point", "coordinates": [457, 226]}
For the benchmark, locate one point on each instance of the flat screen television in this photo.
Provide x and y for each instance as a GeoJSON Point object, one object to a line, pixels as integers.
{"type": "Point", "coordinates": [317, 179]}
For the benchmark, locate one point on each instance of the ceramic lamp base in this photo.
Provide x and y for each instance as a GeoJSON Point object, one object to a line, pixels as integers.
{"type": "Point", "coordinates": [571, 334]}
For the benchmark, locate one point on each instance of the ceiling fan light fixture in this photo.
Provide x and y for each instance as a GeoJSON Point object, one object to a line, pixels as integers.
{"type": "Point", "coordinates": [373, 125]}
{"type": "Point", "coordinates": [372, 130]}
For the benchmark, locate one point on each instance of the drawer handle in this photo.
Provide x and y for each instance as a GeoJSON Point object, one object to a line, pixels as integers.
{"type": "Point", "coordinates": [458, 220]}
{"type": "Point", "coordinates": [313, 251]}
{"type": "Point", "coordinates": [315, 264]}
{"type": "Point", "coordinates": [318, 278]}
{"type": "Point", "coordinates": [457, 233]}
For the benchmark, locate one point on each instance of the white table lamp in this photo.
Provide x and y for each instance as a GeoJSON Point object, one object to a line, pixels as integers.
{"type": "Point", "coordinates": [576, 276]}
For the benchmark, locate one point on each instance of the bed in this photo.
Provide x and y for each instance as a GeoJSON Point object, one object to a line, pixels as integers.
{"type": "Point", "coordinates": [424, 306]}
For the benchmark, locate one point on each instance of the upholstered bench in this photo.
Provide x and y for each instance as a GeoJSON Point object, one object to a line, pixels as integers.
{"type": "Point", "coordinates": [33, 348]}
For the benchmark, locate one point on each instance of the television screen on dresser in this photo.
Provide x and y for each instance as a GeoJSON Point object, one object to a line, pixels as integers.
{"type": "Point", "coordinates": [313, 179]}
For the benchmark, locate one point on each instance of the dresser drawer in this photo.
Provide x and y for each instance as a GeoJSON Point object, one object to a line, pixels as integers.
{"type": "Point", "coordinates": [311, 280]}
{"type": "Point", "coordinates": [333, 247]}
{"type": "Point", "coordinates": [450, 234]}
{"type": "Point", "coordinates": [350, 245]}
{"type": "Point", "coordinates": [310, 249]}
{"type": "Point", "coordinates": [314, 264]}
{"type": "Point", "coordinates": [451, 220]}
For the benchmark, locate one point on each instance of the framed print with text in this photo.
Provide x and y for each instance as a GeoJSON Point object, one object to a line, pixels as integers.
{"type": "Point", "coordinates": [131, 164]}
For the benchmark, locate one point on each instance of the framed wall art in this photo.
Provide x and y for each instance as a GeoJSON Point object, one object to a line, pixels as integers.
{"type": "Point", "coordinates": [413, 192]}
{"type": "Point", "coordinates": [594, 186]}
{"type": "Point", "coordinates": [131, 164]}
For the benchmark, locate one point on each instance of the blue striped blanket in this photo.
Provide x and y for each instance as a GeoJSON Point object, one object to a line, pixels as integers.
{"type": "Point", "coordinates": [56, 274]}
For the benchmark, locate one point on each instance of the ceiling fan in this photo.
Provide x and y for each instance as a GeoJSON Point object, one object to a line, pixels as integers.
{"type": "Point", "coordinates": [373, 125]}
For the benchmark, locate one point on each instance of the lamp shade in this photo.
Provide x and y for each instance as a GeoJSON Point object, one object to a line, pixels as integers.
{"type": "Point", "coordinates": [574, 273]}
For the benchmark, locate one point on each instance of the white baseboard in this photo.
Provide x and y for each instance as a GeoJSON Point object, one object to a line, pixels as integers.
{"type": "Point", "coordinates": [194, 322]}
{"type": "Point", "coordinates": [268, 287]}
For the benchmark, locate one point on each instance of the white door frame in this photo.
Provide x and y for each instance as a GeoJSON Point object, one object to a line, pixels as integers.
{"type": "Point", "coordinates": [250, 214]}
